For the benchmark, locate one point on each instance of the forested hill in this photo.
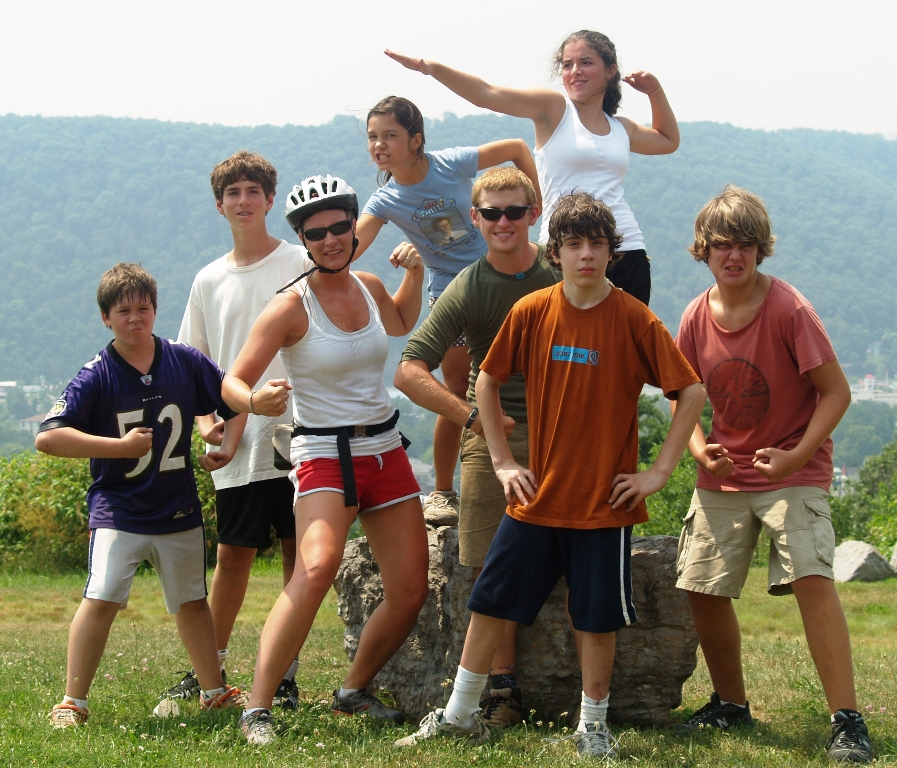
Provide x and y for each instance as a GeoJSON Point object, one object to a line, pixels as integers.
{"type": "Point", "coordinates": [79, 194]}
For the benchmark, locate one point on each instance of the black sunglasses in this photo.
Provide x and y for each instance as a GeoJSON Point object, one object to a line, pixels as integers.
{"type": "Point", "coordinates": [319, 233]}
{"type": "Point", "coordinates": [514, 213]}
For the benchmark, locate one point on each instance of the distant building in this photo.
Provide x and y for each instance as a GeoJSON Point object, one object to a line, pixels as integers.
{"type": "Point", "coordinates": [32, 423]}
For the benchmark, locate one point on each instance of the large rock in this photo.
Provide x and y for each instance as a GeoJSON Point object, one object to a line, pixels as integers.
{"type": "Point", "coordinates": [859, 561]}
{"type": "Point", "coordinates": [654, 656]}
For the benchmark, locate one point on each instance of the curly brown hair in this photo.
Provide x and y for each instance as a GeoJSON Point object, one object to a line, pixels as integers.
{"type": "Point", "coordinates": [581, 215]}
{"type": "Point", "coordinates": [733, 216]}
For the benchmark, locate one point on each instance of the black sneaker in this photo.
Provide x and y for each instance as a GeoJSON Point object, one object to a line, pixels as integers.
{"type": "Point", "coordinates": [718, 715]}
{"type": "Point", "coordinates": [850, 738]}
{"type": "Point", "coordinates": [287, 695]}
{"type": "Point", "coordinates": [364, 702]}
{"type": "Point", "coordinates": [188, 688]}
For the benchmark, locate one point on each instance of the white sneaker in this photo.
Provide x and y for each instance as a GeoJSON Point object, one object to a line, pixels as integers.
{"type": "Point", "coordinates": [435, 724]}
{"type": "Point", "coordinates": [442, 508]}
{"type": "Point", "coordinates": [257, 727]}
{"type": "Point", "coordinates": [596, 741]}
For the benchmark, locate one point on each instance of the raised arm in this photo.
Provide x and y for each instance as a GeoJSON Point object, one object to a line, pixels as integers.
{"type": "Point", "coordinates": [511, 151]}
{"type": "Point", "coordinates": [541, 105]}
{"type": "Point", "coordinates": [367, 230]}
{"type": "Point", "coordinates": [282, 323]}
{"type": "Point", "coordinates": [662, 138]}
{"type": "Point", "coordinates": [400, 311]}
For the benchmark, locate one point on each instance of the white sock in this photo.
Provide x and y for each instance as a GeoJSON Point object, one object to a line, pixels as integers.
{"type": "Point", "coordinates": [80, 703]}
{"type": "Point", "coordinates": [592, 711]}
{"type": "Point", "coordinates": [740, 706]}
{"type": "Point", "coordinates": [343, 692]}
{"type": "Point", "coordinates": [209, 694]}
{"type": "Point", "coordinates": [254, 709]}
{"type": "Point", "coordinates": [465, 698]}
{"type": "Point", "coordinates": [291, 672]}
{"type": "Point", "coordinates": [222, 657]}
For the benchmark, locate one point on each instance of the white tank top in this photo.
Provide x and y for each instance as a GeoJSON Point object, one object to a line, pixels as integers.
{"type": "Point", "coordinates": [337, 380]}
{"type": "Point", "coordinates": [575, 159]}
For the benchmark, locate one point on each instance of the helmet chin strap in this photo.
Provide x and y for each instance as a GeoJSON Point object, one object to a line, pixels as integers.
{"type": "Point", "coordinates": [318, 268]}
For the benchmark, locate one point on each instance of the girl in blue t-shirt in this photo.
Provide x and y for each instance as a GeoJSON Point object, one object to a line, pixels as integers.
{"type": "Point", "coordinates": [427, 195]}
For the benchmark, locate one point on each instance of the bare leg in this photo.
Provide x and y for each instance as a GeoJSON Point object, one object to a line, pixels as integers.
{"type": "Point", "coordinates": [720, 637]}
{"type": "Point", "coordinates": [828, 639]}
{"type": "Point", "coordinates": [597, 661]}
{"type": "Point", "coordinates": [322, 523]}
{"type": "Point", "coordinates": [197, 631]}
{"type": "Point", "coordinates": [228, 591]}
{"type": "Point", "coordinates": [87, 641]}
{"type": "Point", "coordinates": [398, 539]}
{"type": "Point", "coordinates": [484, 636]}
{"type": "Point", "coordinates": [447, 434]}
{"type": "Point", "coordinates": [287, 558]}
{"type": "Point", "coordinates": [505, 657]}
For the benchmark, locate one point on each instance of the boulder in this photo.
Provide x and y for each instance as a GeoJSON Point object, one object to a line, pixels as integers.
{"type": "Point", "coordinates": [858, 561]}
{"type": "Point", "coordinates": [654, 656]}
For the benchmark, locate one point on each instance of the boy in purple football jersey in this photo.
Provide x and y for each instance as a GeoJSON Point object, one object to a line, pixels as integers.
{"type": "Point", "coordinates": [130, 410]}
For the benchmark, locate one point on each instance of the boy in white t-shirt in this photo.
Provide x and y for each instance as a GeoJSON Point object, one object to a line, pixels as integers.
{"type": "Point", "coordinates": [227, 296]}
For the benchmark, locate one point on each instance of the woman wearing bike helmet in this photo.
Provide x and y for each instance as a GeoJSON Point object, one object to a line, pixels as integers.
{"type": "Point", "coordinates": [330, 327]}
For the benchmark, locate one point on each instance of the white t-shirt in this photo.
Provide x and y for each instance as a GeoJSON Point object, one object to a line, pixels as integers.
{"type": "Point", "coordinates": [224, 303]}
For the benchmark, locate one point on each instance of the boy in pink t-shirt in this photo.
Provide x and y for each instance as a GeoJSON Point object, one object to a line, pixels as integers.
{"type": "Point", "coordinates": [777, 393]}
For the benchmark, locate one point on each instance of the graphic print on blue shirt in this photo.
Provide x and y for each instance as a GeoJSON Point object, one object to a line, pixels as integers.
{"type": "Point", "coordinates": [563, 354]}
{"type": "Point", "coordinates": [157, 492]}
{"type": "Point", "coordinates": [441, 223]}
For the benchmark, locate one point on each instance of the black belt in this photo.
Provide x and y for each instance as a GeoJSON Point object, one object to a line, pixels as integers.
{"type": "Point", "coordinates": [343, 435]}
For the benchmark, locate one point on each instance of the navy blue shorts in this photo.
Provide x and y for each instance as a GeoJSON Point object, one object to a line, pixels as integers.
{"type": "Point", "coordinates": [246, 513]}
{"type": "Point", "coordinates": [525, 562]}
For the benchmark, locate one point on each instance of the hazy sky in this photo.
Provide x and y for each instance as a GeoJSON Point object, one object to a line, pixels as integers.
{"type": "Point", "coordinates": [760, 64]}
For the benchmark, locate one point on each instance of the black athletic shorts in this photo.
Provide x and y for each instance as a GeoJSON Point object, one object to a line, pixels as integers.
{"type": "Point", "coordinates": [246, 513]}
{"type": "Point", "coordinates": [632, 273]}
{"type": "Point", "coordinates": [526, 560]}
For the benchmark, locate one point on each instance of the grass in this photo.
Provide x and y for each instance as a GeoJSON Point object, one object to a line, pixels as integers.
{"type": "Point", "coordinates": [144, 655]}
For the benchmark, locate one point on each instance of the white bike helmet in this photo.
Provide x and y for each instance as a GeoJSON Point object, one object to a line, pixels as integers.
{"type": "Point", "coordinates": [318, 193]}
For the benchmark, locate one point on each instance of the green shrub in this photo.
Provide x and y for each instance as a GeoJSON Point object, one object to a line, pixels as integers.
{"type": "Point", "coordinates": [43, 511]}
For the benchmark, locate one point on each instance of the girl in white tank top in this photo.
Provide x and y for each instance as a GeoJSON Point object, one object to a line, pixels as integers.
{"type": "Point", "coordinates": [587, 63]}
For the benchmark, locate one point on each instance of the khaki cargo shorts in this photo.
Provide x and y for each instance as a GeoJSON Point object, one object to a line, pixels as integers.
{"type": "Point", "coordinates": [483, 502]}
{"type": "Point", "coordinates": [720, 534]}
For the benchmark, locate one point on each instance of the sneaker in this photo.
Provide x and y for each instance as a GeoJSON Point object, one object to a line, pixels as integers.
{"type": "Point", "coordinates": [231, 696]}
{"type": "Point", "coordinates": [257, 727]}
{"type": "Point", "coordinates": [68, 716]}
{"type": "Point", "coordinates": [595, 741]}
{"type": "Point", "coordinates": [503, 708]}
{"type": "Point", "coordinates": [850, 738]}
{"type": "Point", "coordinates": [442, 508]}
{"type": "Point", "coordinates": [287, 695]}
{"type": "Point", "coordinates": [435, 724]}
{"type": "Point", "coordinates": [718, 715]}
{"type": "Point", "coordinates": [364, 702]}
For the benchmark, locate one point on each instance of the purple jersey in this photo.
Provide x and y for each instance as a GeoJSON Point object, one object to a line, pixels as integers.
{"type": "Point", "coordinates": [157, 492]}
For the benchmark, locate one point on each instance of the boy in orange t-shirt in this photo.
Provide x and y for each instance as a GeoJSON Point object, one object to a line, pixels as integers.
{"type": "Point", "coordinates": [585, 349]}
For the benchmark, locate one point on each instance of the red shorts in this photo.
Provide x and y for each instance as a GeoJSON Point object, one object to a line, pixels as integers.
{"type": "Point", "coordinates": [381, 480]}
